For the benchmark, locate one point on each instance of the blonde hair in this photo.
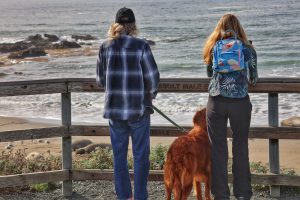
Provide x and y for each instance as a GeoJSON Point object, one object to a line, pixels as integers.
{"type": "Point", "coordinates": [116, 30]}
{"type": "Point", "coordinates": [227, 22]}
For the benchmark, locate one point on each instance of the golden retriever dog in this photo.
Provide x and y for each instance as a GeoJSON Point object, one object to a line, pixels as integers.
{"type": "Point", "coordinates": [188, 162]}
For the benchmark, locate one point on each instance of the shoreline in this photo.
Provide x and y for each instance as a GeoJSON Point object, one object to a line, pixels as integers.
{"type": "Point", "coordinates": [258, 148]}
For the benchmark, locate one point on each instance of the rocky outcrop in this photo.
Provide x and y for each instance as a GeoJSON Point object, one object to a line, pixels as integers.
{"type": "Point", "coordinates": [51, 38]}
{"type": "Point", "coordinates": [83, 37]}
{"type": "Point", "coordinates": [92, 147]}
{"type": "Point", "coordinates": [30, 52]}
{"type": "Point", "coordinates": [11, 47]}
{"type": "Point", "coordinates": [46, 41]}
{"type": "Point", "coordinates": [38, 41]}
{"type": "Point", "coordinates": [64, 45]}
{"type": "Point", "coordinates": [35, 38]}
{"type": "Point", "coordinates": [292, 122]}
{"type": "Point", "coordinates": [80, 144]}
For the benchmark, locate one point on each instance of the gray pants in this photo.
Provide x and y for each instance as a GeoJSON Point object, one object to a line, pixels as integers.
{"type": "Point", "coordinates": [238, 111]}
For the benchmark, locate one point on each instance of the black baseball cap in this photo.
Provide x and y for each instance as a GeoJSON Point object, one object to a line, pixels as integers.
{"type": "Point", "coordinates": [125, 15]}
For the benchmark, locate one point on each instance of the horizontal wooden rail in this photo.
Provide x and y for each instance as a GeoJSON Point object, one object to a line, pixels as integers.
{"type": "Point", "coordinates": [171, 131]}
{"type": "Point", "coordinates": [33, 178]}
{"type": "Point", "coordinates": [157, 175]}
{"type": "Point", "coordinates": [33, 87]}
{"type": "Point", "coordinates": [194, 85]}
{"type": "Point", "coordinates": [186, 85]}
{"type": "Point", "coordinates": [31, 134]}
{"type": "Point", "coordinates": [97, 174]}
{"type": "Point", "coordinates": [156, 130]}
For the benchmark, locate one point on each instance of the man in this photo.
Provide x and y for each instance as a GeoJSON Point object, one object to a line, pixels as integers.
{"type": "Point", "coordinates": [127, 71]}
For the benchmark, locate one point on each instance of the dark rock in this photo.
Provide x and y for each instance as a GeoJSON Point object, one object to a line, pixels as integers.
{"type": "Point", "coordinates": [11, 47]}
{"type": "Point", "coordinates": [83, 43]}
{"type": "Point", "coordinates": [51, 38]}
{"type": "Point", "coordinates": [38, 41]}
{"type": "Point", "coordinates": [35, 38]}
{"type": "Point", "coordinates": [18, 73]}
{"type": "Point", "coordinates": [83, 37]}
{"type": "Point", "coordinates": [64, 45]}
{"type": "Point", "coordinates": [2, 74]}
{"type": "Point", "coordinates": [92, 147]}
{"type": "Point", "coordinates": [80, 151]}
{"type": "Point", "coordinates": [80, 144]}
{"type": "Point", "coordinates": [31, 52]}
{"type": "Point", "coordinates": [42, 44]}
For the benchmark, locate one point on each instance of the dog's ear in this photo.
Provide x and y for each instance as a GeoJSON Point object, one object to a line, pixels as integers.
{"type": "Point", "coordinates": [200, 118]}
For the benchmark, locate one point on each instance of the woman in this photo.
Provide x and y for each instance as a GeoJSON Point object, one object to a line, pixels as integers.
{"type": "Point", "coordinates": [228, 99]}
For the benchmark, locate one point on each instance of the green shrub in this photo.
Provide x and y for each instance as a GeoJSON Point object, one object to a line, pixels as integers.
{"type": "Point", "coordinates": [43, 187]}
{"type": "Point", "coordinates": [130, 161]}
{"type": "Point", "coordinates": [16, 163]}
{"type": "Point", "coordinates": [157, 156]}
{"type": "Point", "coordinates": [102, 158]}
{"type": "Point", "coordinates": [258, 168]}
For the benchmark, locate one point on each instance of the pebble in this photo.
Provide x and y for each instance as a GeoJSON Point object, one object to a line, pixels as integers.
{"type": "Point", "coordinates": [104, 190]}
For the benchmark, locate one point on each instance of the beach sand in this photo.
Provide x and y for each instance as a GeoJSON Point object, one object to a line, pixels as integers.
{"type": "Point", "coordinates": [258, 148]}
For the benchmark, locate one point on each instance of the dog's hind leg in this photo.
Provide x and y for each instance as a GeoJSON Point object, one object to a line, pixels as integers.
{"type": "Point", "coordinates": [197, 188]}
{"type": "Point", "coordinates": [168, 191]}
{"type": "Point", "coordinates": [207, 187]}
{"type": "Point", "coordinates": [186, 191]}
{"type": "Point", "coordinates": [186, 183]}
{"type": "Point", "coordinates": [168, 179]}
{"type": "Point", "coordinates": [177, 189]}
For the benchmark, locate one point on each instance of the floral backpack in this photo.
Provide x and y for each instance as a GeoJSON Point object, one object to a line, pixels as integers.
{"type": "Point", "coordinates": [228, 55]}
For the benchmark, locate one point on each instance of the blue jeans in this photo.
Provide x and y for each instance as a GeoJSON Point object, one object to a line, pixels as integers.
{"type": "Point", "coordinates": [140, 136]}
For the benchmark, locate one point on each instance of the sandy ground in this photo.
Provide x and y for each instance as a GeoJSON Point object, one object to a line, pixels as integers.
{"type": "Point", "coordinates": [289, 149]}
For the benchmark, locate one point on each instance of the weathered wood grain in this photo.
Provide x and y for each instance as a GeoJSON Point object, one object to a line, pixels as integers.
{"type": "Point", "coordinates": [273, 143]}
{"type": "Point", "coordinates": [32, 178]}
{"type": "Point", "coordinates": [163, 131]}
{"type": "Point", "coordinates": [31, 134]}
{"type": "Point", "coordinates": [66, 118]}
{"type": "Point", "coordinates": [95, 174]}
{"type": "Point", "coordinates": [171, 131]}
{"type": "Point", "coordinates": [32, 87]}
{"type": "Point", "coordinates": [187, 85]}
{"type": "Point", "coordinates": [157, 175]}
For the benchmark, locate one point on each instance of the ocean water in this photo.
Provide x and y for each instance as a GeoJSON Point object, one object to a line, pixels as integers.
{"type": "Point", "coordinates": [179, 29]}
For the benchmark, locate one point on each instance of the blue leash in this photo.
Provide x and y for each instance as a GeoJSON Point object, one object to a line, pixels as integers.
{"type": "Point", "coordinates": [166, 117]}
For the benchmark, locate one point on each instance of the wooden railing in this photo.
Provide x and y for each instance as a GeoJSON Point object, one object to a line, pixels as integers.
{"type": "Point", "coordinates": [273, 132]}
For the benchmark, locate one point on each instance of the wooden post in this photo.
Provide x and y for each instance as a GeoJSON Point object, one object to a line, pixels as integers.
{"type": "Point", "coordinates": [274, 143]}
{"type": "Point", "coordinates": [66, 142]}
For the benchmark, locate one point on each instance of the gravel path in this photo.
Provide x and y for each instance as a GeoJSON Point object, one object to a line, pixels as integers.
{"type": "Point", "coordinates": [104, 190]}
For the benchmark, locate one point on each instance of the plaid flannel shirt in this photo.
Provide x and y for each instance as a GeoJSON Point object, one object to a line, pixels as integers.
{"type": "Point", "coordinates": [127, 71]}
